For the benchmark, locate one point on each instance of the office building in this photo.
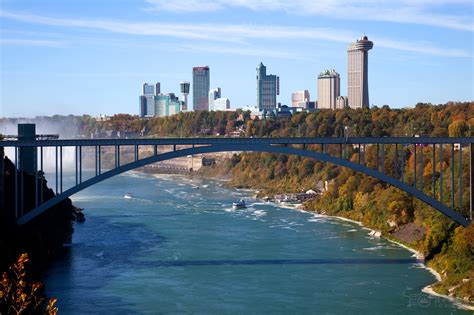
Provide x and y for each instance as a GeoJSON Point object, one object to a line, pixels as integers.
{"type": "Point", "coordinates": [150, 89]}
{"type": "Point", "coordinates": [341, 102]}
{"type": "Point", "coordinates": [357, 75]}
{"type": "Point", "coordinates": [142, 101]}
{"type": "Point", "coordinates": [147, 99]}
{"type": "Point", "coordinates": [184, 87]}
{"type": "Point", "coordinates": [268, 87]}
{"type": "Point", "coordinates": [147, 105]}
{"type": "Point", "coordinates": [300, 99]}
{"type": "Point", "coordinates": [329, 88]}
{"type": "Point", "coordinates": [201, 83]}
{"type": "Point", "coordinates": [213, 95]}
{"type": "Point", "coordinates": [221, 104]}
{"type": "Point", "coordinates": [166, 105]}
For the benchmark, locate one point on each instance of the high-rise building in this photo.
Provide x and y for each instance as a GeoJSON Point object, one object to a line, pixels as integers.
{"type": "Point", "coordinates": [150, 105]}
{"type": "Point", "coordinates": [268, 87]}
{"type": "Point", "coordinates": [147, 101]}
{"type": "Point", "coordinates": [150, 89]}
{"type": "Point", "coordinates": [329, 88]}
{"type": "Point", "coordinates": [166, 105]}
{"type": "Point", "coordinates": [221, 104]}
{"type": "Point", "coordinates": [357, 73]}
{"type": "Point", "coordinates": [213, 95]}
{"type": "Point", "coordinates": [341, 102]}
{"type": "Point", "coordinates": [142, 100]}
{"type": "Point", "coordinates": [157, 88]}
{"type": "Point", "coordinates": [300, 99]}
{"type": "Point", "coordinates": [201, 83]}
{"type": "Point", "coordinates": [184, 87]}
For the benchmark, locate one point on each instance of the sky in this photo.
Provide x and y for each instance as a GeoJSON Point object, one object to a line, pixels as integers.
{"type": "Point", "coordinates": [92, 57]}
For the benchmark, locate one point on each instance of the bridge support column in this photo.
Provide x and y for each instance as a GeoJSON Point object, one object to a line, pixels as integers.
{"type": "Point", "coordinates": [2, 185]}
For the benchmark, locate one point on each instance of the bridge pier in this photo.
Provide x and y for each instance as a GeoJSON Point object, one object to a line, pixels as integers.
{"type": "Point", "coordinates": [2, 184]}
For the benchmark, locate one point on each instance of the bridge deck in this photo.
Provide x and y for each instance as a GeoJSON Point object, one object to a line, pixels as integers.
{"type": "Point", "coordinates": [241, 141]}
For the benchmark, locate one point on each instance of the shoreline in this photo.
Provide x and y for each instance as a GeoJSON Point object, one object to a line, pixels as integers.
{"type": "Point", "coordinates": [418, 255]}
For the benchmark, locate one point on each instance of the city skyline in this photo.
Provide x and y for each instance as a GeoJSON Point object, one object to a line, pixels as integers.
{"type": "Point", "coordinates": [68, 53]}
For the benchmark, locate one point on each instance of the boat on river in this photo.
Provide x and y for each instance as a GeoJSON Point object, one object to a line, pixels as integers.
{"type": "Point", "coordinates": [239, 204]}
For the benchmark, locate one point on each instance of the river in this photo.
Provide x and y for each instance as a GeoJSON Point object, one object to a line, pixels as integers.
{"type": "Point", "coordinates": [178, 246]}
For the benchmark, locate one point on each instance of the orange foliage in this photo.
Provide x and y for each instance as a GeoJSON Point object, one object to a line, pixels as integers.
{"type": "Point", "coordinates": [18, 296]}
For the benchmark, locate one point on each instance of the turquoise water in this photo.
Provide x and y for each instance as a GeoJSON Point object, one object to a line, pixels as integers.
{"type": "Point", "coordinates": [176, 248]}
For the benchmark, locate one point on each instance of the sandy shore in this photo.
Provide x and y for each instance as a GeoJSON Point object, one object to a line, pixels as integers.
{"type": "Point", "coordinates": [460, 304]}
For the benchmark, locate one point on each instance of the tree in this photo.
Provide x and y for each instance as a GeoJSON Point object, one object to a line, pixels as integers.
{"type": "Point", "coordinates": [19, 296]}
{"type": "Point", "coordinates": [458, 128]}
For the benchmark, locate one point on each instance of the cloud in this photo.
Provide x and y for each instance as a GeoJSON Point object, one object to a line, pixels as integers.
{"type": "Point", "coordinates": [245, 51]}
{"type": "Point", "coordinates": [422, 12]}
{"type": "Point", "coordinates": [29, 42]}
{"type": "Point", "coordinates": [236, 33]}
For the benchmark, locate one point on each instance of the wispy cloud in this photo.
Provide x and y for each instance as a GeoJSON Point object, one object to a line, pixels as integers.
{"type": "Point", "coordinates": [244, 51]}
{"type": "Point", "coordinates": [236, 33]}
{"type": "Point", "coordinates": [29, 42]}
{"type": "Point", "coordinates": [423, 12]}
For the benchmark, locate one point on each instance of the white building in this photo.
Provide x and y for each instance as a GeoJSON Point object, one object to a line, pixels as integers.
{"type": "Point", "coordinates": [221, 103]}
{"type": "Point", "coordinates": [329, 88]}
{"type": "Point", "coordinates": [300, 99]}
{"type": "Point", "coordinates": [213, 95]}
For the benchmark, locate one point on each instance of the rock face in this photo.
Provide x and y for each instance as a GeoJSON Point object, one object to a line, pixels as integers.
{"type": "Point", "coordinates": [41, 238]}
{"type": "Point", "coordinates": [410, 233]}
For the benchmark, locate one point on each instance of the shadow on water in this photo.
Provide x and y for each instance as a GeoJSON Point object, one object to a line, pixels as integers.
{"type": "Point", "coordinates": [102, 252]}
{"type": "Point", "coordinates": [186, 263]}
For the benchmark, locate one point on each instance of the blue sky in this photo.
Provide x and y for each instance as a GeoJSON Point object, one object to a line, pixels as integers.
{"type": "Point", "coordinates": [89, 56]}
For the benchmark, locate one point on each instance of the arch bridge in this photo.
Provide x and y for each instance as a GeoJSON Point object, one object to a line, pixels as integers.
{"type": "Point", "coordinates": [443, 194]}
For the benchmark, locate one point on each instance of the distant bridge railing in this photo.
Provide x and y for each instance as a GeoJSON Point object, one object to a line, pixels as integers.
{"type": "Point", "coordinates": [445, 195]}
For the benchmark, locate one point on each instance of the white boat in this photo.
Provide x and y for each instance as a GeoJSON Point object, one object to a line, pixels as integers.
{"type": "Point", "coordinates": [128, 196]}
{"type": "Point", "coordinates": [239, 204]}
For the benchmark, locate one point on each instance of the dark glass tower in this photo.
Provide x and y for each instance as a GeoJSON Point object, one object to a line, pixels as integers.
{"type": "Point", "coordinates": [201, 83]}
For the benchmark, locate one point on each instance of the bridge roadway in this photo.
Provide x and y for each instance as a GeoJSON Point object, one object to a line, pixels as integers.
{"type": "Point", "coordinates": [241, 141]}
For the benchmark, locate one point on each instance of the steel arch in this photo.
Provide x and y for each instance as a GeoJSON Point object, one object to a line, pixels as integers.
{"type": "Point", "coordinates": [246, 147]}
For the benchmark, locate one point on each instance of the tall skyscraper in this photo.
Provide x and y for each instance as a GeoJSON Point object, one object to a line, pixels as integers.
{"type": "Point", "coordinates": [268, 87]}
{"type": "Point", "coordinates": [147, 100]}
{"type": "Point", "coordinates": [184, 86]}
{"type": "Point", "coordinates": [357, 76]}
{"type": "Point", "coordinates": [201, 83]}
{"type": "Point", "coordinates": [329, 88]}
{"type": "Point", "coordinates": [150, 89]}
{"type": "Point", "coordinates": [300, 99]}
{"type": "Point", "coordinates": [142, 110]}
{"type": "Point", "coordinates": [213, 95]}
